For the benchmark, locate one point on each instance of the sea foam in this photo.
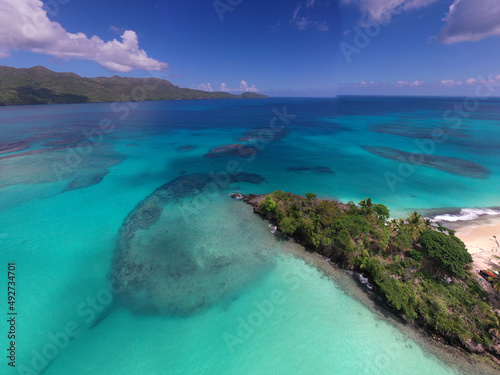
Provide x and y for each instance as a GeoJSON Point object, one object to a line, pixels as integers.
{"type": "Point", "coordinates": [467, 214]}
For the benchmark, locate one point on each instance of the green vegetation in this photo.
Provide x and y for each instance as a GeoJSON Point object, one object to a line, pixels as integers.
{"type": "Point", "coordinates": [39, 85]}
{"type": "Point", "coordinates": [421, 269]}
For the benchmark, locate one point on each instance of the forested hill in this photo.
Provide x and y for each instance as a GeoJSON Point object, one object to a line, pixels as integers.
{"type": "Point", "coordinates": [39, 85]}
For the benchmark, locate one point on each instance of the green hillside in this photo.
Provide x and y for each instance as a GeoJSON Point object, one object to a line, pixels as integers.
{"type": "Point", "coordinates": [39, 85]}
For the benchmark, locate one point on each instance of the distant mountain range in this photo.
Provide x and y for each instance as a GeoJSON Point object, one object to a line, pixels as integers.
{"type": "Point", "coordinates": [39, 85]}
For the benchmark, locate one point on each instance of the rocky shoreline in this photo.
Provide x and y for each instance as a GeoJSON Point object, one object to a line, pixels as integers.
{"type": "Point", "coordinates": [469, 351]}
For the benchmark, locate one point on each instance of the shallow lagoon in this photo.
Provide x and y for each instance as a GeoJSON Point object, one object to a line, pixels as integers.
{"type": "Point", "coordinates": [63, 240]}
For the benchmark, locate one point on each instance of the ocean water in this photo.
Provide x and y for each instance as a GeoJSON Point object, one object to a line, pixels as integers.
{"type": "Point", "coordinates": [131, 258]}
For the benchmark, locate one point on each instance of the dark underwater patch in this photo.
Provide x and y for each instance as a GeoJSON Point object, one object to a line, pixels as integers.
{"type": "Point", "coordinates": [234, 149]}
{"type": "Point", "coordinates": [421, 132]}
{"type": "Point", "coordinates": [58, 163]}
{"type": "Point", "coordinates": [316, 169]}
{"type": "Point", "coordinates": [6, 148]}
{"type": "Point", "coordinates": [163, 271]}
{"type": "Point", "coordinates": [87, 180]}
{"type": "Point", "coordinates": [186, 148]}
{"type": "Point", "coordinates": [459, 167]}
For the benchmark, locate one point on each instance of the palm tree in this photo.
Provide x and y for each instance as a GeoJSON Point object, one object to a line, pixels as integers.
{"type": "Point", "coordinates": [416, 224]}
{"type": "Point", "coordinates": [415, 219]}
{"type": "Point", "coordinates": [428, 223]}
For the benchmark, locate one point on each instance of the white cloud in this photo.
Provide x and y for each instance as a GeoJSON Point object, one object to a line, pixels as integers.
{"type": "Point", "coordinates": [470, 20]}
{"type": "Point", "coordinates": [451, 82]}
{"type": "Point", "coordinates": [364, 84]}
{"type": "Point", "coordinates": [380, 9]}
{"type": "Point", "coordinates": [322, 26]}
{"type": "Point", "coordinates": [204, 87]}
{"type": "Point", "coordinates": [492, 81]}
{"type": "Point", "coordinates": [415, 83]}
{"type": "Point", "coordinates": [24, 25]}
{"type": "Point", "coordinates": [244, 87]}
{"type": "Point", "coordinates": [304, 15]}
{"type": "Point", "coordinates": [401, 83]}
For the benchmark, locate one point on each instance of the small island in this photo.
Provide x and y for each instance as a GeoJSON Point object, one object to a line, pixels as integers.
{"type": "Point", "coordinates": [420, 269]}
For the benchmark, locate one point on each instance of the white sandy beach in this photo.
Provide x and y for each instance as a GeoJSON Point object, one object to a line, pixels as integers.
{"type": "Point", "coordinates": [481, 243]}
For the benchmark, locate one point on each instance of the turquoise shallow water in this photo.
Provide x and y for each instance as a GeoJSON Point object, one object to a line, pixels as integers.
{"type": "Point", "coordinates": [259, 310]}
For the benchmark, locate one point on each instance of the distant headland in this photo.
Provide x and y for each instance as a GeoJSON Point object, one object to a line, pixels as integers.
{"type": "Point", "coordinates": [39, 85]}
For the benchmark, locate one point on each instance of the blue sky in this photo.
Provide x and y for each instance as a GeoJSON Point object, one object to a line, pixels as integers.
{"type": "Point", "coordinates": [281, 48]}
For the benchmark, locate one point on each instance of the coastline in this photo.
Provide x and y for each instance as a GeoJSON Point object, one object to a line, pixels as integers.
{"type": "Point", "coordinates": [463, 358]}
{"type": "Point", "coordinates": [456, 358]}
{"type": "Point", "coordinates": [477, 228]}
{"type": "Point", "coordinates": [482, 240]}
{"type": "Point", "coordinates": [479, 236]}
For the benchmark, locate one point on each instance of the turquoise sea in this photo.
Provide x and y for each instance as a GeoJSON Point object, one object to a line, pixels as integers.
{"type": "Point", "coordinates": [131, 258]}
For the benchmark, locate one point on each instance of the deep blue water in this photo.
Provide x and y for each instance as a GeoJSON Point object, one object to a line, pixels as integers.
{"type": "Point", "coordinates": [210, 289]}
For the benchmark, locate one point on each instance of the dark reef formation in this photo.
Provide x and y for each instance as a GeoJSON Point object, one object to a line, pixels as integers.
{"type": "Point", "coordinates": [59, 164]}
{"type": "Point", "coordinates": [316, 169]}
{"type": "Point", "coordinates": [234, 149]}
{"type": "Point", "coordinates": [64, 142]}
{"type": "Point", "coordinates": [412, 131]}
{"type": "Point", "coordinates": [87, 180]}
{"type": "Point", "coordinates": [186, 148]}
{"type": "Point", "coordinates": [447, 164]}
{"type": "Point", "coordinates": [13, 147]}
{"type": "Point", "coordinates": [165, 263]}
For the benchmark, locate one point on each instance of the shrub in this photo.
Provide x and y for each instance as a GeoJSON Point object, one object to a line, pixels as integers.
{"type": "Point", "coordinates": [447, 250]}
{"type": "Point", "coordinates": [344, 241]}
{"type": "Point", "coordinates": [401, 296]}
{"type": "Point", "coordinates": [382, 212]}
{"type": "Point", "coordinates": [311, 196]}
{"type": "Point", "coordinates": [375, 268]}
{"type": "Point", "coordinates": [417, 255]}
{"type": "Point", "coordinates": [403, 239]}
{"type": "Point", "coordinates": [270, 204]}
{"type": "Point", "coordinates": [288, 225]}
{"type": "Point", "coordinates": [280, 195]}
